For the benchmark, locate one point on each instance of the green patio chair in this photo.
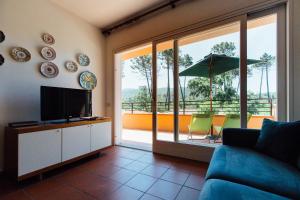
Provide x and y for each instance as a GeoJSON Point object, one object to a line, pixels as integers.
{"type": "Point", "coordinates": [231, 121]}
{"type": "Point", "coordinates": [200, 123]}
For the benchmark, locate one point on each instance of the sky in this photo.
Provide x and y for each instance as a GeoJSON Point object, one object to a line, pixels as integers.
{"type": "Point", "coordinates": [260, 40]}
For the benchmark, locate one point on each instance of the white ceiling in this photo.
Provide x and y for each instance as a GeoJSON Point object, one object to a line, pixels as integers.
{"type": "Point", "coordinates": [102, 13]}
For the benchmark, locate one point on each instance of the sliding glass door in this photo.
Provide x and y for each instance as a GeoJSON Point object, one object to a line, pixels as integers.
{"type": "Point", "coordinates": [225, 75]}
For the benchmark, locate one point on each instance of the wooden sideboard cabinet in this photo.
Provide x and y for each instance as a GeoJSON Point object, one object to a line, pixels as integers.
{"type": "Point", "coordinates": [33, 150]}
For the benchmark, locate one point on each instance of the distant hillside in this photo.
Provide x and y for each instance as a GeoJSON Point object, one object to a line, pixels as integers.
{"type": "Point", "coordinates": [128, 93]}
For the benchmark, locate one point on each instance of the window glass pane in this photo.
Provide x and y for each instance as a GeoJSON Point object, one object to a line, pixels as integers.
{"type": "Point", "coordinates": [209, 90]}
{"type": "Point", "coordinates": [165, 91]}
{"type": "Point", "coordinates": [262, 76]}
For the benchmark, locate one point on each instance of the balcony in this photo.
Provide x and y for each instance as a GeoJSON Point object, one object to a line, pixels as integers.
{"type": "Point", "coordinates": [137, 118]}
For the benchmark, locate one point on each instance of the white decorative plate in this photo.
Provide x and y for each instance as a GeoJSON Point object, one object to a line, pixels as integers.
{"type": "Point", "coordinates": [48, 53]}
{"type": "Point", "coordinates": [20, 54]}
{"type": "Point", "coordinates": [71, 66]}
{"type": "Point", "coordinates": [83, 60]}
{"type": "Point", "coordinates": [49, 69]}
{"type": "Point", "coordinates": [48, 39]}
{"type": "Point", "coordinates": [88, 80]}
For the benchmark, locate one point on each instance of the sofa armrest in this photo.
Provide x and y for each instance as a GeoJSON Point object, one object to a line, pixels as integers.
{"type": "Point", "coordinates": [240, 137]}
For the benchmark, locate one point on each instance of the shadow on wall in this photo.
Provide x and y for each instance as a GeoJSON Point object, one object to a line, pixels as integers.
{"type": "Point", "coordinates": [1, 147]}
{"type": "Point", "coordinates": [20, 103]}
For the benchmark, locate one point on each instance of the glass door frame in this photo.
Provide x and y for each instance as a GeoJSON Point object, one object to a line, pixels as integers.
{"type": "Point", "coordinates": [242, 19]}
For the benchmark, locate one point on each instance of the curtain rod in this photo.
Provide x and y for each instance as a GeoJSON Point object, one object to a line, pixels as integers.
{"type": "Point", "coordinates": [142, 15]}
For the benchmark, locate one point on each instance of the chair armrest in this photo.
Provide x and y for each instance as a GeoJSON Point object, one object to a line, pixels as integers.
{"type": "Point", "coordinates": [240, 137]}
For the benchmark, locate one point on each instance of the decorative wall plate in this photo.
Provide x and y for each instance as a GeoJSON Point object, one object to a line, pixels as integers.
{"type": "Point", "coordinates": [1, 60]}
{"type": "Point", "coordinates": [48, 53]}
{"type": "Point", "coordinates": [83, 60]}
{"type": "Point", "coordinates": [48, 39]}
{"type": "Point", "coordinates": [88, 80]}
{"type": "Point", "coordinates": [20, 54]}
{"type": "Point", "coordinates": [71, 66]}
{"type": "Point", "coordinates": [2, 36]}
{"type": "Point", "coordinates": [49, 69]}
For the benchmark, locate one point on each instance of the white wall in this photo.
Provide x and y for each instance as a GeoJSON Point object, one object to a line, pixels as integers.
{"type": "Point", "coordinates": [23, 22]}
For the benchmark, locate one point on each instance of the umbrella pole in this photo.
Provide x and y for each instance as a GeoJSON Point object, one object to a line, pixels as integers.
{"type": "Point", "coordinates": [210, 83]}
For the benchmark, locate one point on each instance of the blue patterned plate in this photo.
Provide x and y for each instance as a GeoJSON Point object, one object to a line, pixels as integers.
{"type": "Point", "coordinates": [83, 60]}
{"type": "Point", "coordinates": [88, 80]}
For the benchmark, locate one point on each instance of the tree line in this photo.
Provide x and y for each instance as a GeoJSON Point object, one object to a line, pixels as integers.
{"type": "Point", "coordinates": [199, 87]}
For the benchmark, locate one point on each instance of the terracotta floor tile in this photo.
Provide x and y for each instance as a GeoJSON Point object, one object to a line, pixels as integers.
{"type": "Point", "coordinates": [102, 177]}
{"type": "Point", "coordinates": [105, 170]}
{"type": "Point", "coordinates": [121, 162]}
{"type": "Point", "coordinates": [69, 174]}
{"type": "Point", "coordinates": [66, 193]}
{"type": "Point", "coordinates": [196, 168]}
{"type": "Point", "coordinates": [68, 177]}
{"type": "Point", "coordinates": [123, 175]}
{"type": "Point", "coordinates": [18, 195]}
{"type": "Point", "coordinates": [8, 185]}
{"type": "Point", "coordinates": [164, 189]}
{"type": "Point", "coordinates": [125, 193]}
{"type": "Point", "coordinates": [43, 188]}
{"type": "Point", "coordinates": [141, 182]}
{"type": "Point", "coordinates": [149, 197]}
{"type": "Point", "coordinates": [95, 185]}
{"type": "Point", "coordinates": [132, 155]}
{"type": "Point", "coordinates": [188, 193]}
{"type": "Point", "coordinates": [147, 159]}
{"type": "Point", "coordinates": [195, 182]}
{"type": "Point", "coordinates": [154, 171]}
{"type": "Point", "coordinates": [136, 166]}
{"type": "Point", "coordinates": [175, 176]}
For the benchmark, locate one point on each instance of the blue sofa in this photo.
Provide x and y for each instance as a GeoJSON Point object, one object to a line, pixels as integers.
{"type": "Point", "coordinates": [237, 171]}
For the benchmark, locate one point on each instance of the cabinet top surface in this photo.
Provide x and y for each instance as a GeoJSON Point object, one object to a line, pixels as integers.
{"type": "Point", "coordinates": [43, 127]}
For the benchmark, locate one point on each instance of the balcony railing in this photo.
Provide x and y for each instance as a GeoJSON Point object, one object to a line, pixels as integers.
{"type": "Point", "coordinates": [255, 106]}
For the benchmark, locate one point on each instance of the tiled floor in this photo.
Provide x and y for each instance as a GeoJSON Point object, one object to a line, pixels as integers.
{"type": "Point", "coordinates": [119, 173]}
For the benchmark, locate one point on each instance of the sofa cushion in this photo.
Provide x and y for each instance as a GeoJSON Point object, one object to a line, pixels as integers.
{"type": "Point", "coordinates": [280, 140]}
{"type": "Point", "coordinates": [216, 189]}
{"type": "Point", "coordinates": [248, 167]}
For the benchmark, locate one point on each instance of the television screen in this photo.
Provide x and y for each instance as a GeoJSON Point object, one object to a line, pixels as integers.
{"type": "Point", "coordinates": [78, 103]}
{"type": "Point", "coordinates": [64, 103]}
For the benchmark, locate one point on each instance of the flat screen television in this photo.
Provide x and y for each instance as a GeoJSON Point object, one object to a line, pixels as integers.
{"type": "Point", "coordinates": [65, 103]}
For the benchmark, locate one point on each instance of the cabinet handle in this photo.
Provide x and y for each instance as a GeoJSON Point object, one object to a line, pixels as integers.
{"type": "Point", "coordinates": [57, 131]}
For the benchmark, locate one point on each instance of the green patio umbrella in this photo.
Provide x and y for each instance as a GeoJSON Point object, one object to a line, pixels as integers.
{"type": "Point", "coordinates": [213, 65]}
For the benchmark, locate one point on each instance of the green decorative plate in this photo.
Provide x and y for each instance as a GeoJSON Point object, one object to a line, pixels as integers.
{"type": "Point", "coordinates": [87, 80]}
